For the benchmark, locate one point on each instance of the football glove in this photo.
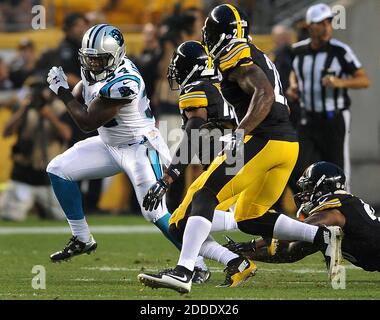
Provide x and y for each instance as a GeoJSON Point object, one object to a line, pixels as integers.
{"type": "Point", "coordinates": [245, 249]}
{"type": "Point", "coordinates": [56, 79]}
{"type": "Point", "coordinates": [154, 195]}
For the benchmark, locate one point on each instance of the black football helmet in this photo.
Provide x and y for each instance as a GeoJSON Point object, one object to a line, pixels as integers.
{"type": "Point", "coordinates": [189, 62]}
{"type": "Point", "coordinates": [224, 26]}
{"type": "Point", "coordinates": [319, 179]}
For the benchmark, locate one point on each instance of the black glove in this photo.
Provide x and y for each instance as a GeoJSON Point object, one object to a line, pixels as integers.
{"type": "Point", "coordinates": [242, 248]}
{"type": "Point", "coordinates": [154, 195]}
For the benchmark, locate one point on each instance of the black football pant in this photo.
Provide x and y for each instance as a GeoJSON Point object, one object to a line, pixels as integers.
{"type": "Point", "coordinates": [322, 139]}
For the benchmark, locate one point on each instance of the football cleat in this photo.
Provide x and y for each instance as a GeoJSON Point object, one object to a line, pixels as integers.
{"type": "Point", "coordinates": [237, 271]}
{"type": "Point", "coordinates": [74, 248]}
{"type": "Point", "coordinates": [178, 279]}
{"type": "Point", "coordinates": [201, 275]}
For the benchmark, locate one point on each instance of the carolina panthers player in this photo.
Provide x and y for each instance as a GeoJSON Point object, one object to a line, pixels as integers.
{"type": "Point", "coordinates": [324, 199]}
{"type": "Point", "coordinates": [110, 98]}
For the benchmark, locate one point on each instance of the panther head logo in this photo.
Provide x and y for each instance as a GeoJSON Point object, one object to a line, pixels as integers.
{"type": "Point", "coordinates": [116, 34]}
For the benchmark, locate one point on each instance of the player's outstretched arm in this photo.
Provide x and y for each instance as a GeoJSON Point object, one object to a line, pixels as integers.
{"type": "Point", "coordinates": [253, 81]}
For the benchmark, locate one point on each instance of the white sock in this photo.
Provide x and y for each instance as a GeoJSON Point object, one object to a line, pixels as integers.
{"type": "Point", "coordinates": [80, 229]}
{"type": "Point", "coordinates": [223, 221]}
{"type": "Point", "coordinates": [212, 250]}
{"type": "Point", "coordinates": [196, 231]}
{"type": "Point", "coordinates": [287, 228]}
{"type": "Point", "coordinates": [200, 263]}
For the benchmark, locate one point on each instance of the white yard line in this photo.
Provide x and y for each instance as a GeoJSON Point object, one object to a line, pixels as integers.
{"type": "Point", "coordinates": [66, 230]}
{"type": "Point", "coordinates": [212, 269]}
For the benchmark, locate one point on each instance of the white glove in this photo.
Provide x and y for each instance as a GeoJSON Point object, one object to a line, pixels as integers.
{"type": "Point", "coordinates": [56, 79]}
{"type": "Point", "coordinates": [234, 143]}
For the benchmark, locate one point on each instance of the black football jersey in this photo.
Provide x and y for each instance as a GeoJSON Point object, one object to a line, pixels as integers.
{"type": "Point", "coordinates": [207, 94]}
{"type": "Point", "coordinates": [361, 240]}
{"type": "Point", "coordinates": [220, 115]}
{"type": "Point", "coordinates": [277, 124]}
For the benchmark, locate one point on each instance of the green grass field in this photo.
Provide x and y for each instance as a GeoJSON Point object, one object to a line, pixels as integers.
{"type": "Point", "coordinates": [111, 273]}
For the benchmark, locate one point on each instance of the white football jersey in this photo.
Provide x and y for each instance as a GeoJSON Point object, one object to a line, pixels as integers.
{"type": "Point", "coordinates": [135, 117]}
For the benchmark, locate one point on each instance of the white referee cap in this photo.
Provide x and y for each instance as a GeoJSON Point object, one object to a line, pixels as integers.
{"type": "Point", "coordinates": [318, 13]}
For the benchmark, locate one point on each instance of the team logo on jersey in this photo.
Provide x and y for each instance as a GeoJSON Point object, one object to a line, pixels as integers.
{"type": "Point", "coordinates": [126, 92]}
{"type": "Point", "coordinates": [116, 34]}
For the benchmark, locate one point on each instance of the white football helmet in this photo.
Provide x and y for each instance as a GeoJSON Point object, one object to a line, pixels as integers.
{"type": "Point", "coordinates": [102, 51]}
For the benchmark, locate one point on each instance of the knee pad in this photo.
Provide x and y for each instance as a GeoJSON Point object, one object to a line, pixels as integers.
{"type": "Point", "coordinates": [262, 226]}
{"type": "Point", "coordinates": [204, 203]}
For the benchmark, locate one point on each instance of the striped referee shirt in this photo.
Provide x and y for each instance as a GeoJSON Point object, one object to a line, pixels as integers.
{"type": "Point", "coordinates": [310, 66]}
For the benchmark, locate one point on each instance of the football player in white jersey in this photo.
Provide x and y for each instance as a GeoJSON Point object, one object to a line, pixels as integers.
{"type": "Point", "coordinates": [110, 98]}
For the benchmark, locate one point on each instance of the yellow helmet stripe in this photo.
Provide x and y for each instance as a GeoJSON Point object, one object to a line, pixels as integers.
{"type": "Point", "coordinates": [209, 60]}
{"type": "Point", "coordinates": [238, 21]}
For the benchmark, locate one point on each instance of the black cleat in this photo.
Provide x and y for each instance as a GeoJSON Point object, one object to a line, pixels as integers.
{"type": "Point", "coordinates": [200, 275]}
{"type": "Point", "coordinates": [178, 279]}
{"type": "Point", "coordinates": [74, 248]}
{"type": "Point", "coordinates": [238, 271]}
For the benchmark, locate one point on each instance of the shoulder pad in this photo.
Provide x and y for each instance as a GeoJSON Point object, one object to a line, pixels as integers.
{"type": "Point", "coordinates": [235, 55]}
{"type": "Point", "coordinates": [325, 203]}
{"type": "Point", "coordinates": [124, 87]}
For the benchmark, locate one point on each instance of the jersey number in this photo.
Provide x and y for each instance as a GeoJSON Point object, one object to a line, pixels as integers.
{"type": "Point", "coordinates": [369, 210]}
{"type": "Point", "coordinates": [278, 91]}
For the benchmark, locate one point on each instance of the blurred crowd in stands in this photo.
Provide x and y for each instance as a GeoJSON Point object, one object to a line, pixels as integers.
{"type": "Point", "coordinates": [42, 124]}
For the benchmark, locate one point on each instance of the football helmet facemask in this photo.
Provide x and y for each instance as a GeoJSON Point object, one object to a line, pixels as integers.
{"type": "Point", "coordinates": [189, 63]}
{"type": "Point", "coordinates": [102, 51]}
{"type": "Point", "coordinates": [224, 26]}
{"type": "Point", "coordinates": [319, 179]}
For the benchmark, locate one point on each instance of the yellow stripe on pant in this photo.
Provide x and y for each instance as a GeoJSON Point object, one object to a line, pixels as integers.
{"type": "Point", "coordinates": [255, 188]}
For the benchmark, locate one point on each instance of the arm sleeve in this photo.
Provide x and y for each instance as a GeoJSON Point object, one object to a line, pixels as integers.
{"type": "Point", "coordinates": [186, 149]}
{"type": "Point", "coordinates": [126, 87]}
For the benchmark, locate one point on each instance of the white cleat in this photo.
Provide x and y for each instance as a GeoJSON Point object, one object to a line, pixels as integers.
{"type": "Point", "coordinates": [171, 279]}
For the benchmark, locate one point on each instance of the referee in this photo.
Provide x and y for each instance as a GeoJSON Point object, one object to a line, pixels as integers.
{"type": "Point", "coordinates": [323, 69]}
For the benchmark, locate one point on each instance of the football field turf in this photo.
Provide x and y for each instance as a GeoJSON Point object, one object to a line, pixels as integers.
{"type": "Point", "coordinates": [128, 245]}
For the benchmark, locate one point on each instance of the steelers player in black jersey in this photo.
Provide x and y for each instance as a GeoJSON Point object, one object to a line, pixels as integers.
{"type": "Point", "coordinates": [258, 159]}
{"type": "Point", "coordinates": [324, 200]}
{"type": "Point", "coordinates": [203, 108]}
